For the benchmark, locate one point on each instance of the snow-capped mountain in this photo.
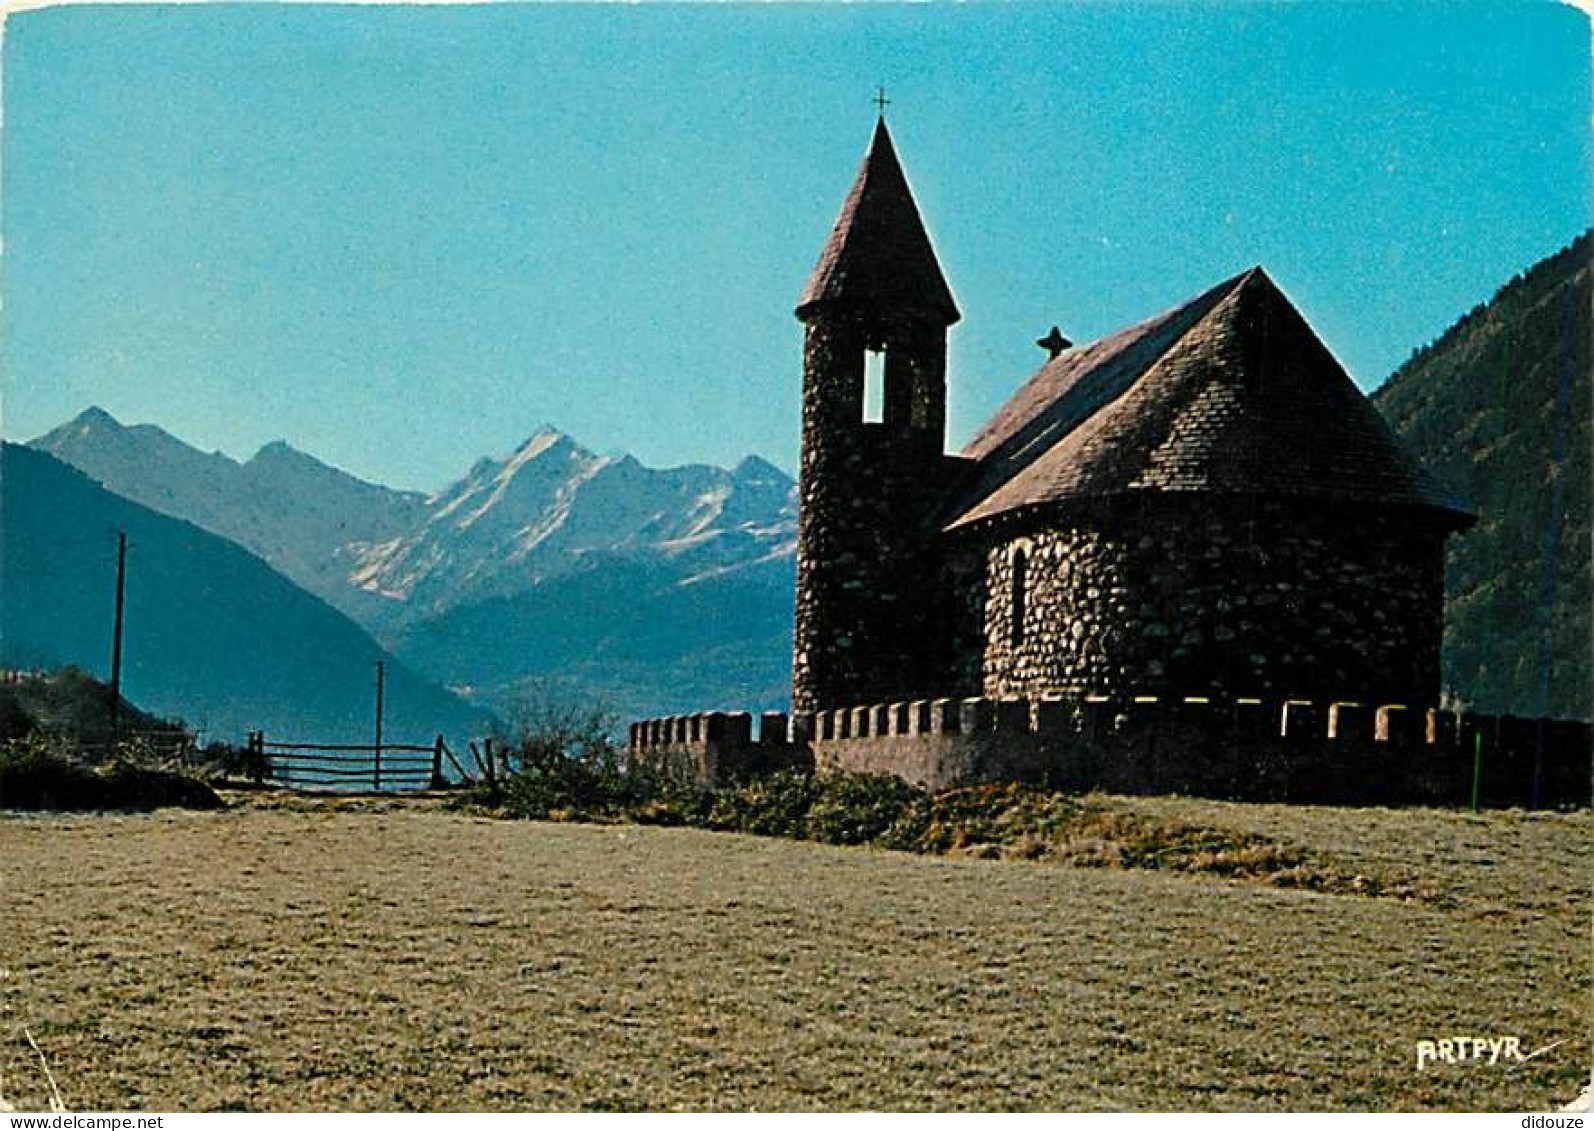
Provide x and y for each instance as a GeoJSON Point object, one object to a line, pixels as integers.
{"type": "Point", "coordinates": [311, 522]}
{"type": "Point", "coordinates": [550, 541]}
{"type": "Point", "coordinates": [536, 514]}
{"type": "Point", "coordinates": [390, 557]}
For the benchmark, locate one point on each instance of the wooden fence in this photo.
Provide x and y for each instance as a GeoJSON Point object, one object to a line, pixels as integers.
{"type": "Point", "coordinates": [351, 766]}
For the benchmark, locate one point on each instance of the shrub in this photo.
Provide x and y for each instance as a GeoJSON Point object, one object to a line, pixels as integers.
{"type": "Point", "coordinates": [139, 788]}
{"type": "Point", "coordinates": [37, 775]}
{"type": "Point", "coordinates": [15, 720]}
{"type": "Point", "coordinates": [672, 805]}
{"type": "Point", "coordinates": [71, 707]}
{"type": "Point", "coordinates": [863, 808]}
{"type": "Point", "coordinates": [774, 805]}
{"type": "Point", "coordinates": [993, 814]}
{"type": "Point", "coordinates": [34, 775]}
{"type": "Point", "coordinates": [559, 760]}
{"type": "Point", "coordinates": [836, 809]}
{"type": "Point", "coordinates": [235, 763]}
{"type": "Point", "coordinates": [538, 789]}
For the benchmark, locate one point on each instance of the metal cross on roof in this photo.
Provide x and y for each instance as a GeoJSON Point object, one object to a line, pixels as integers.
{"type": "Point", "coordinates": [880, 100]}
{"type": "Point", "coordinates": [1053, 343]}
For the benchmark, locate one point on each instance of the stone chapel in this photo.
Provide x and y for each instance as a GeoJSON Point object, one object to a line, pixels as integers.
{"type": "Point", "coordinates": [1201, 504]}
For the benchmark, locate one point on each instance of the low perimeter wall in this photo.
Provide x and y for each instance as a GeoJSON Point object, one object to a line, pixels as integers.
{"type": "Point", "coordinates": [1334, 753]}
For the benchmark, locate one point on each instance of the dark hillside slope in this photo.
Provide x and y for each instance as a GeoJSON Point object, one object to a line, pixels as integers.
{"type": "Point", "coordinates": [214, 636]}
{"type": "Point", "coordinates": [1499, 408]}
{"type": "Point", "coordinates": [624, 634]}
{"type": "Point", "coordinates": [73, 706]}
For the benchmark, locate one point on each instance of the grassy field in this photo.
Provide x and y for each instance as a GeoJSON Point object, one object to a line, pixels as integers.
{"type": "Point", "coordinates": [395, 956]}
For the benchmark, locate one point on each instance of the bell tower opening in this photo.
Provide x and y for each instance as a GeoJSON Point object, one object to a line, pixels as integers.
{"type": "Point", "coordinates": [874, 386]}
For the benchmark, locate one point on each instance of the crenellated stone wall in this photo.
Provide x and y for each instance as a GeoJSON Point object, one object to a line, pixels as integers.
{"type": "Point", "coordinates": [1243, 749]}
{"type": "Point", "coordinates": [1218, 597]}
{"type": "Point", "coordinates": [714, 748]}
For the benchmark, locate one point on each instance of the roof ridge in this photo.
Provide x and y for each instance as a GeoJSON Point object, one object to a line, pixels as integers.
{"type": "Point", "coordinates": [1134, 335]}
{"type": "Point", "coordinates": [1243, 397]}
{"type": "Point", "coordinates": [1230, 288]}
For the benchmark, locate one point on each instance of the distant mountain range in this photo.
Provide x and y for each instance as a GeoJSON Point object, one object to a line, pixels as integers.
{"type": "Point", "coordinates": [1499, 407]}
{"type": "Point", "coordinates": [511, 525]}
{"type": "Point", "coordinates": [648, 590]}
{"type": "Point", "coordinates": [214, 636]}
{"type": "Point", "coordinates": [311, 522]}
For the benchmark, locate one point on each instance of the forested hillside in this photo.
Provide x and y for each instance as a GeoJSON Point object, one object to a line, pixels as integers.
{"type": "Point", "coordinates": [1499, 408]}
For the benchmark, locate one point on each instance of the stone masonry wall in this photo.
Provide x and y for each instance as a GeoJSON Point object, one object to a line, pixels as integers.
{"type": "Point", "coordinates": [716, 748]}
{"type": "Point", "coordinates": [1217, 597]}
{"type": "Point", "coordinates": [1246, 749]}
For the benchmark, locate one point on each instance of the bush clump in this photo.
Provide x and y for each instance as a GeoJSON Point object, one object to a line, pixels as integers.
{"type": "Point", "coordinates": [232, 764]}
{"type": "Point", "coordinates": [34, 775]}
{"type": "Point", "coordinates": [835, 809]}
{"type": "Point", "coordinates": [71, 707]}
{"type": "Point", "coordinates": [560, 763]}
{"type": "Point", "coordinates": [775, 805]}
{"type": "Point", "coordinates": [864, 809]}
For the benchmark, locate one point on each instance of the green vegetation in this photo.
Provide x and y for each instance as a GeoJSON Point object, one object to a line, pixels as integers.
{"type": "Point", "coordinates": [60, 750]}
{"type": "Point", "coordinates": [568, 772]}
{"type": "Point", "coordinates": [35, 774]}
{"type": "Point", "coordinates": [559, 759]}
{"type": "Point", "coordinates": [71, 706]}
{"type": "Point", "coordinates": [1499, 409]}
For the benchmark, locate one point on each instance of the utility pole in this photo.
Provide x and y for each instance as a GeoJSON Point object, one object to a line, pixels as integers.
{"type": "Point", "coordinates": [376, 772]}
{"type": "Point", "coordinates": [116, 638]}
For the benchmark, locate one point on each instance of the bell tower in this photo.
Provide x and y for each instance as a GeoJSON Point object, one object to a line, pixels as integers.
{"type": "Point", "coordinates": [876, 309]}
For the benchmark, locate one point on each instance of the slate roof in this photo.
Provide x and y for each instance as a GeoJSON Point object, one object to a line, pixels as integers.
{"type": "Point", "coordinates": [878, 258]}
{"type": "Point", "coordinates": [1230, 393]}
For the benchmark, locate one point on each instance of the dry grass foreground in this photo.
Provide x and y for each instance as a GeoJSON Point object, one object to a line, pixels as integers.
{"type": "Point", "coordinates": [390, 955]}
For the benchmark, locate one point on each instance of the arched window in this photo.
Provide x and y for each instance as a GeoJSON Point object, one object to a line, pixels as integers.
{"type": "Point", "coordinates": [1020, 597]}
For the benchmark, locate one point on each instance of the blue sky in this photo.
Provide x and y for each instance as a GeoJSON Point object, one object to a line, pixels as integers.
{"type": "Point", "coordinates": [404, 237]}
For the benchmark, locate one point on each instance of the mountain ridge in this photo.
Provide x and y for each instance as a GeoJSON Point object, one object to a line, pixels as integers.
{"type": "Point", "coordinates": [389, 557]}
{"type": "Point", "coordinates": [287, 507]}
{"type": "Point", "coordinates": [214, 635]}
{"type": "Point", "coordinates": [414, 569]}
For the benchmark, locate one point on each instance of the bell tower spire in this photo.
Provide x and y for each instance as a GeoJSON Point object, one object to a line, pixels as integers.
{"type": "Point", "coordinates": [865, 564]}
{"type": "Point", "coordinates": [878, 259]}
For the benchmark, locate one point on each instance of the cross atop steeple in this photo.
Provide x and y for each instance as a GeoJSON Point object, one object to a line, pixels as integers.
{"type": "Point", "coordinates": [881, 101]}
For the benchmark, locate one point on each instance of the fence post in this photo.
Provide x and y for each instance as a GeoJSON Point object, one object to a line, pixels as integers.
{"type": "Point", "coordinates": [1477, 764]}
{"type": "Point", "coordinates": [258, 767]}
{"type": "Point", "coordinates": [437, 764]}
